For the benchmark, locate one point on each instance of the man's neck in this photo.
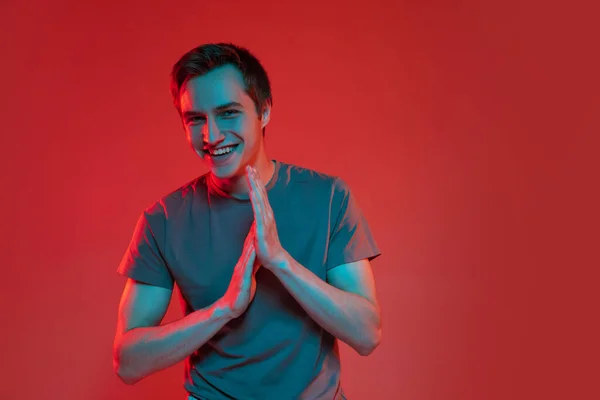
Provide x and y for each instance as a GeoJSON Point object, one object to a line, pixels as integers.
{"type": "Point", "coordinates": [238, 186]}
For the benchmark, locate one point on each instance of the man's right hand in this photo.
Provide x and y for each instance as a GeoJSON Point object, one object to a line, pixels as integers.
{"type": "Point", "coordinates": [242, 287]}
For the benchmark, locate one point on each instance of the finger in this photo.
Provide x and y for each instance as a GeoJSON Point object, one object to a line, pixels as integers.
{"type": "Point", "coordinates": [254, 198]}
{"type": "Point", "coordinates": [260, 214]}
{"type": "Point", "coordinates": [252, 178]}
{"type": "Point", "coordinates": [264, 196]}
{"type": "Point", "coordinates": [248, 170]}
{"type": "Point", "coordinates": [267, 206]}
{"type": "Point", "coordinates": [249, 180]}
{"type": "Point", "coordinates": [248, 270]}
{"type": "Point", "coordinates": [249, 261]}
{"type": "Point", "coordinates": [247, 256]}
{"type": "Point", "coordinates": [261, 186]}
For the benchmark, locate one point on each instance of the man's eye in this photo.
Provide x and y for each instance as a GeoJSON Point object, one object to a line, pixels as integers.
{"type": "Point", "coordinates": [195, 119]}
{"type": "Point", "coordinates": [229, 113]}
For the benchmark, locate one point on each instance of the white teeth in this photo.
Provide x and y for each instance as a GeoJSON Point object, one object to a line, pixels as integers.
{"type": "Point", "coordinates": [222, 150]}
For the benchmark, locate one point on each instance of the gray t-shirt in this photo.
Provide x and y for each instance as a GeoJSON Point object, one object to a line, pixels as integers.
{"type": "Point", "coordinates": [194, 236]}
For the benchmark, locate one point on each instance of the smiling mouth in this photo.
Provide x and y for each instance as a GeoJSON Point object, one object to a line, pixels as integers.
{"type": "Point", "coordinates": [221, 151]}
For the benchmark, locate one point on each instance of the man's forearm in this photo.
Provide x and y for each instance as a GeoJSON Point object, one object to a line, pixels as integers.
{"type": "Point", "coordinates": [351, 318]}
{"type": "Point", "coordinates": [142, 351]}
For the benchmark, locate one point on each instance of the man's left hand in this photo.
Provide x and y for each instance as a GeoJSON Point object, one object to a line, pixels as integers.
{"type": "Point", "coordinates": [269, 251]}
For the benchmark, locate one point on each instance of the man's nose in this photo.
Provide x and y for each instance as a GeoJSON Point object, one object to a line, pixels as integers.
{"type": "Point", "coordinates": [211, 134]}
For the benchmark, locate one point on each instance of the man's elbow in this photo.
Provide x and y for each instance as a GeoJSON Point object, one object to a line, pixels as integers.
{"type": "Point", "coordinates": [125, 374]}
{"type": "Point", "coordinates": [370, 345]}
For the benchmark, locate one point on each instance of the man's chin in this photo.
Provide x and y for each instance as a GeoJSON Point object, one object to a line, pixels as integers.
{"type": "Point", "coordinates": [226, 172]}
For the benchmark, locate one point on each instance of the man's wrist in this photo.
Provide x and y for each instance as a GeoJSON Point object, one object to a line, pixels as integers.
{"type": "Point", "coordinates": [282, 264]}
{"type": "Point", "coordinates": [221, 311]}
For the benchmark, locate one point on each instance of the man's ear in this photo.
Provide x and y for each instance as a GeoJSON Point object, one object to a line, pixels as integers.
{"type": "Point", "coordinates": [266, 115]}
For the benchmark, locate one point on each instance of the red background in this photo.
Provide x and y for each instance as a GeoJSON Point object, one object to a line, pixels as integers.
{"type": "Point", "coordinates": [468, 131]}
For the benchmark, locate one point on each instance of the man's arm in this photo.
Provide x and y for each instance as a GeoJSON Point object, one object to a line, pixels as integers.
{"type": "Point", "coordinates": [141, 347]}
{"type": "Point", "coordinates": [345, 306]}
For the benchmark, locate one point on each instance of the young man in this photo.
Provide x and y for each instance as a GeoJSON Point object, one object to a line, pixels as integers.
{"type": "Point", "coordinates": [272, 260]}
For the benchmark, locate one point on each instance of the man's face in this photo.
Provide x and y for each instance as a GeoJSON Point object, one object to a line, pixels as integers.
{"type": "Point", "coordinates": [221, 121]}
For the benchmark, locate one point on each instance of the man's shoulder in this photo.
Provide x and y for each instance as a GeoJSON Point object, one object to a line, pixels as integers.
{"type": "Point", "coordinates": [174, 199]}
{"type": "Point", "coordinates": [292, 173]}
{"type": "Point", "coordinates": [313, 179]}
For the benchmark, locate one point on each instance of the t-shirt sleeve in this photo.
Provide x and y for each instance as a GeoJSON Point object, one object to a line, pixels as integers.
{"type": "Point", "coordinates": [350, 238]}
{"type": "Point", "coordinates": [143, 260]}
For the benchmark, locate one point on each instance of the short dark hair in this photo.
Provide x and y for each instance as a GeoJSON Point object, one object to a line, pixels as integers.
{"type": "Point", "coordinates": [207, 57]}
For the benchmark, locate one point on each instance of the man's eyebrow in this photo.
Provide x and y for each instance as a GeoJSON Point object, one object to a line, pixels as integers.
{"type": "Point", "coordinates": [228, 105]}
{"type": "Point", "coordinates": [222, 107]}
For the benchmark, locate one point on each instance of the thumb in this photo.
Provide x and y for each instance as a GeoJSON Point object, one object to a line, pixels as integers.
{"type": "Point", "coordinates": [251, 260]}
